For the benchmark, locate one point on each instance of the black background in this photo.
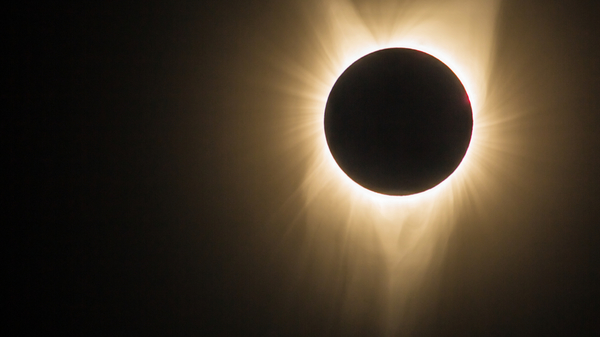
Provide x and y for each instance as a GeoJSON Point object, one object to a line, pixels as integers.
{"type": "Point", "coordinates": [141, 184]}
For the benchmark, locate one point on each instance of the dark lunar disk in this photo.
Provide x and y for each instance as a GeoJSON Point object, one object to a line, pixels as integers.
{"type": "Point", "coordinates": [398, 121]}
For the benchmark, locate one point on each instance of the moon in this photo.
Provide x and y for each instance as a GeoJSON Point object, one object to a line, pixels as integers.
{"type": "Point", "coordinates": [398, 121]}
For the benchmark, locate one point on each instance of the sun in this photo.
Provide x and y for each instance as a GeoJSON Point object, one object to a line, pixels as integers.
{"type": "Point", "coordinates": [347, 36]}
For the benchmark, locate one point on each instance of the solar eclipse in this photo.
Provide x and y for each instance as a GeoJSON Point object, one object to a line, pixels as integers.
{"type": "Point", "coordinates": [398, 121]}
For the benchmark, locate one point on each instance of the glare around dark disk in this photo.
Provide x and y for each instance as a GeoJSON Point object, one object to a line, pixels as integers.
{"type": "Point", "coordinates": [398, 121]}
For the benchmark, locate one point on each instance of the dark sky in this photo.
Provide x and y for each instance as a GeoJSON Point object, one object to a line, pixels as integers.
{"type": "Point", "coordinates": [146, 196]}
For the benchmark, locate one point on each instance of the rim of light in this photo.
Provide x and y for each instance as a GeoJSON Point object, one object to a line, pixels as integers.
{"type": "Point", "coordinates": [458, 174]}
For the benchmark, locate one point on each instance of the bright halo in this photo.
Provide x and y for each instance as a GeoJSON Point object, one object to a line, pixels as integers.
{"type": "Point", "coordinates": [409, 232]}
{"type": "Point", "coordinates": [351, 38]}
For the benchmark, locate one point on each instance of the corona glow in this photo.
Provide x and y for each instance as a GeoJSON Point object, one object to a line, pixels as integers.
{"type": "Point", "coordinates": [407, 232]}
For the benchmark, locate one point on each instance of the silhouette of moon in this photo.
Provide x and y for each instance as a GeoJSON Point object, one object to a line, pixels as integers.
{"type": "Point", "coordinates": [398, 121]}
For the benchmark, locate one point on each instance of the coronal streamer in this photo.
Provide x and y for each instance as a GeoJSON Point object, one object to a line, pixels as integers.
{"type": "Point", "coordinates": [407, 233]}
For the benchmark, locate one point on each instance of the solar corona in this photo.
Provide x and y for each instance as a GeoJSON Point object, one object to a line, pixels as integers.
{"type": "Point", "coordinates": [387, 113]}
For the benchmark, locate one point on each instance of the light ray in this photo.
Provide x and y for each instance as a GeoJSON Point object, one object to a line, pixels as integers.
{"type": "Point", "coordinates": [408, 232]}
